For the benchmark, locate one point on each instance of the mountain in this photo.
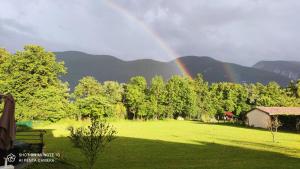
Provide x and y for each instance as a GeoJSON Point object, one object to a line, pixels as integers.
{"type": "Point", "coordinates": [105, 67]}
{"type": "Point", "coordinates": [290, 69]}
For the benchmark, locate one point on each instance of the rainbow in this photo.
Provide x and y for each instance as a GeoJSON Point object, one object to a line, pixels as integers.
{"type": "Point", "coordinates": [154, 35]}
{"type": "Point", "coordinates": [232, 76]}
{"type": "Point", "coordinates": [182, 68]}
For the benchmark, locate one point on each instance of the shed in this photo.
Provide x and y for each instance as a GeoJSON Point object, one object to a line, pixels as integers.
{"type": "Point", "coordinates": [261, 116]}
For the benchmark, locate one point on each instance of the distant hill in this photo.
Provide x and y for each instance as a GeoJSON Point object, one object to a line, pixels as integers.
{"type": "Point", "coordinates": [290, 69]}
{"type": "Point", "coordinates": [104, 67]}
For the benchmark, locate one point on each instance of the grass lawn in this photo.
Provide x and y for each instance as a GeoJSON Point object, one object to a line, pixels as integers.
{"type": "Point", "coordinates": [182, 145]}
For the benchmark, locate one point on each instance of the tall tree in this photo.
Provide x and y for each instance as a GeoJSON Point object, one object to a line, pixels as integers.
{"type": "Point", "coordinates": [181, 96]}
{"type": "Point", "coordinates": [4, 56]}
{"type": "Point", "coordinates": [94, 107]}
{"type": "Point", "coordinates": [88, 86]}
{"type": "Point", "coordinates": [29, 75]}
{"type": "Point", "coordinates": [205, 109]}
{"type": "Point", "coordinates": [114, 92]}
{"type": "Point", "coordinates": [135, 96]}
{"type": "Point", "coordinates": [157, 97]}
{"type": "Point", "coordinates": [294, 89]}
{"type": "Point", "coordinates": [271, 95]}
{"type": "Point", "coordinates": [90, 99]}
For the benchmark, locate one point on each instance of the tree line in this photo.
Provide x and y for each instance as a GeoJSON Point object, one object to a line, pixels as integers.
{"type": "Point", "coordinates": [33, 76]}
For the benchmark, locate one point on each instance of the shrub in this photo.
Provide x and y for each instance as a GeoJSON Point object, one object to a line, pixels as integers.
{"type": "Point", "coordinates": [91, 140]}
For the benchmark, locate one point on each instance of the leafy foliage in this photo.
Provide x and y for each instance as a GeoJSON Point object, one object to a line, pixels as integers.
{"type": "Point", "coordinates": [87, 86]}
{"type": "Point", "coordinates": [94, 107]}
{"type": "Point", "coordinates": [135, 96]}
{"type": "Point", "coordinates": [91, 140]}
{"type": "Point", "coordinates": [181, 96]}
{"type": "Point", "coordinates": [33, 77]}
{"type": "Point", "coordinates": [157, 98]}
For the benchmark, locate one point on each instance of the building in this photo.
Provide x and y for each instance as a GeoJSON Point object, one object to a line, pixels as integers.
{"type": "Point", "coordinates": [261, 116]}
{"type": "Point", "coordinates": [228, 116]}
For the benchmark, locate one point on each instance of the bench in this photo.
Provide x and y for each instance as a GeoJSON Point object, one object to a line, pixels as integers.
{"type": "Point", "coordinates": [31, 140]}
{"type": "Point", "coordinates": [27, 141]}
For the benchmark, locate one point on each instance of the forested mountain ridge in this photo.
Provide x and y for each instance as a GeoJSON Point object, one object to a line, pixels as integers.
{"type": "Point", "coordinates": [105, 67]}
{"type": "Point", "coordinates": [33, 77]}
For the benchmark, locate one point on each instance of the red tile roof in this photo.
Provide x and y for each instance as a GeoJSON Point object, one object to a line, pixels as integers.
{"type": "Point", "coordinates": [229, 114]}
{"type": "Point", "coordinates": [280, 110]}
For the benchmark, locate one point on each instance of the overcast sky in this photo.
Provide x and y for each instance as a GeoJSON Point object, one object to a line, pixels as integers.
{"type": "Point", "coordinates": [239, 31]}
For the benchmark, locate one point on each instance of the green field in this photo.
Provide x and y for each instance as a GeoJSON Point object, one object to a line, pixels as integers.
{"type": "Point", "coordinates": [183, 145]}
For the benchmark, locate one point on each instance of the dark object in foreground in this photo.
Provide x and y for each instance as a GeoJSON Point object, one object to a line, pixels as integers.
{"type": "Point", "coordinates": [57, 165]}
{"type": "Point", "coordinates": [7, 128]}
{"type": "Point", "coordinates": [7, 123]}
{"type": "Point", "coordinates": [27, 141]}
{"type": "Point", "coordinates": [33, 139]}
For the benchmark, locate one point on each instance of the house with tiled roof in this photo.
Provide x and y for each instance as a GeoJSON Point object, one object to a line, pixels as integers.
{"type": "Point", "coordinates": [261, 116]}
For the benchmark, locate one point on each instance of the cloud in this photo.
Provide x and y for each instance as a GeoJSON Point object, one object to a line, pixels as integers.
{"type": "Point", "coordinates": [239, 31]}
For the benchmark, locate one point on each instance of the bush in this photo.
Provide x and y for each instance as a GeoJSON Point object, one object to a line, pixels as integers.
{"type": "Point", "coordinates": [92, 139]}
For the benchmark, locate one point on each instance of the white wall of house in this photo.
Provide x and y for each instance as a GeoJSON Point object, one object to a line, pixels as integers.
{"type": "Point", "coordinates": [257, 118]}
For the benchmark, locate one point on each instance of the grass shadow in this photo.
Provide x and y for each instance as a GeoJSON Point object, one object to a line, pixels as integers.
{"type": "Point", "coordinates": [136, 153]}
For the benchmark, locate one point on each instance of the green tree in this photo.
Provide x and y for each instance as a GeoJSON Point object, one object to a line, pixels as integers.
{"type": "Point", "coordinates": [49, 103]}
{"type": "Point", "coordinates": [232, 97]}
{"type": "Point", "coordinates": [205, 110]}
{"type": "Point", "coordinates": [272, 95]}
{"type": "Point", "coordinates": [181, 96]}
{"type": "Point", "coordinates": [135, 96]}
{"type": "Point", "coordinates": [253, 91]}
{"type": "Point", "coordinates": [31, 75]}
{"type": "Point", "coordinates": [95, 107]}
{"type": "Point", "coordinates": [293, 89]}
{"type": "Point", "coordinates": [157, 97]}
{"type": "Point", "coordinates": [114, 92]}
{"type": "Point", "coordinates": [88, 86]}
{"type": "Point", "coordinates": [216, 96]}
{"type": "Point", "coordinates": [4, 56]}
{"type": "Point", "coordinates": [90, 99]}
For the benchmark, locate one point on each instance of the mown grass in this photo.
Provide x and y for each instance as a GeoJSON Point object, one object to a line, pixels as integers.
{"type": "Point", "coordinates": [182, 145]}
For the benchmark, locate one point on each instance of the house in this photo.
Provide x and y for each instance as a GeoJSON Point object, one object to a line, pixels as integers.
{"type": "Point", "coordinates": [228, 116]}
{"type": "Point", "coordinates": [261, 116]}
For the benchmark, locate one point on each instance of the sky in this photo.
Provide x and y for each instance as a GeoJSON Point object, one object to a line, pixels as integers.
{"type": "Point", "coordinates": [237, 31]}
